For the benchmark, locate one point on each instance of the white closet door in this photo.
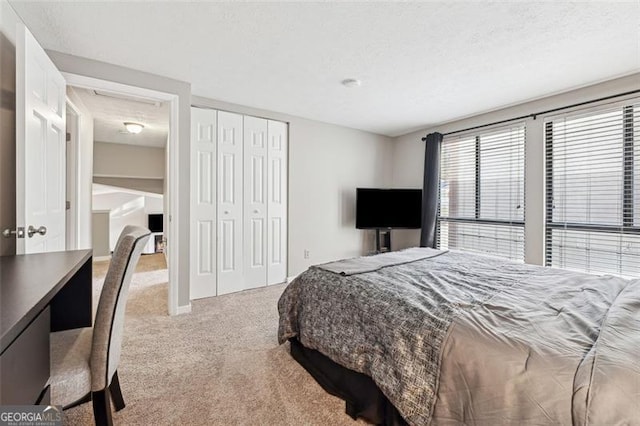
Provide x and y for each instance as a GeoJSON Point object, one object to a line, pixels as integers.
{"type": "Point", "coordinates": [255, 202]}
{"type": "Point", "coordinates": [277, 204]}
{"type": "Point", "coordinates": [203, 203]}
{"type": "Point", "coordinates": [230, 265]}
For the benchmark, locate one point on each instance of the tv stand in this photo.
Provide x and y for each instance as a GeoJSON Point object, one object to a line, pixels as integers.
{"type": "Point", "coordinates": [383, 240]}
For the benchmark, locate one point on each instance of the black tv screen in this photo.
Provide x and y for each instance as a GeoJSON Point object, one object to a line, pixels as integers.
{"type": "Point", "coordinates": [155, 223]}
{"type": "Point", "coordinates": [388, 208]}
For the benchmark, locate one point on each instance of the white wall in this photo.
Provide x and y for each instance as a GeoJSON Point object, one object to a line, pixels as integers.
{"type": "Point", "coordinates": [112, 200]}
{"type": "Point", "coordinates": [156, 186]}
{"type": "Point", "coordinates": [326, 165]}
{"type": "Point", "coordinates": [128, 161]}
{"type": "Point", "coordinates": [153, 205]}
{"type": "Point", "coordinates": [408, 156]}
{"type": "Point", "coordinates": [125, 209]}
{"type": "Point", "coordinates": [129, 213]}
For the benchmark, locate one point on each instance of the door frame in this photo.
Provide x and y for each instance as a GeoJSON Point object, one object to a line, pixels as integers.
{"type": "Point", "coordinates": [73, 178]}
{"type": "Point", "coordinates": [172, 191]}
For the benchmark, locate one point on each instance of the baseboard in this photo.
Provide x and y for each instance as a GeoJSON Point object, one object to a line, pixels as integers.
{"type": "Point", "coordinates": [289, 279]}
{"type": "Point", "coordinates": [101, 258]}
{"type": "Point", "coordinates": [185, 309]}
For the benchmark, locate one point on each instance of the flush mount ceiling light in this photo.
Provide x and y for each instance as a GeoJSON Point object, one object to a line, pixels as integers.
{"type": "Point", "coordinates": [134, 128]}
{"type": "Point", "coordinates": [351, 82]}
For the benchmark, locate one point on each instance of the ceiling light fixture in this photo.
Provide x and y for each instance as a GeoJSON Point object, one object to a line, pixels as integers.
{"type": "Point", "coordinates": [134, 128]}
{"type": "Point", "coordinates": [351, 82]}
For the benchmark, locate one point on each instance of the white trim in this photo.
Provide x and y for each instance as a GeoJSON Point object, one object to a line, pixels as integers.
{"type": "Point", "coordinates": [289, 279]}
{"type": "Point", "coordinates": [173, 193]}
{"type": "Point", "coordinates": [111, 86]}
{"type": "Point", "coordinates": [184, 309]}
{"type": "Point", "coordinates": [73, 232]}
{"type": "Point", "coordinates": [101, 258]}
{"type": "Point", "coordinates": [172, 173]}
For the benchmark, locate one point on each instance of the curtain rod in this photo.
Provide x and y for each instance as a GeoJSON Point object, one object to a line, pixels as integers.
{"type": "Point", "coordinates": [534, 115]}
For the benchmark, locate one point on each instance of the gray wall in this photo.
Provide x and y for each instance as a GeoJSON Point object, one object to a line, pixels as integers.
{"type": "Point", "coordinates": [128, 161]}
{"type": "Point", "coordinates": [157, 186]}
{"type": "Point", "coordinates": [100, 234]}
{"type": "Point", "coordinates": [326, 165]}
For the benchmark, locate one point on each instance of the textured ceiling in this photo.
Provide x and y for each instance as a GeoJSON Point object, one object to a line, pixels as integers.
{"type": "Point", "coordinates": [110, 114]}
{"type": "Point", "coordinates": [420, 63]}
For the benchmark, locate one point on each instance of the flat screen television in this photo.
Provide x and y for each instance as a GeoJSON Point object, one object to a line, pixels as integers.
{"type": "Point", "coordinates": [155, 223]}
{"type": "Point", "coordinates": [378, 208]}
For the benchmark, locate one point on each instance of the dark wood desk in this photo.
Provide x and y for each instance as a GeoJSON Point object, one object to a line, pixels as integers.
{"type": "Point", "coordinates": [39, 293]}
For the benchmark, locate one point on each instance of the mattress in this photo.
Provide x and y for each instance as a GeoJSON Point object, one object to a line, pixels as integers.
{"type": "Point", "coordinates": [460, 338]}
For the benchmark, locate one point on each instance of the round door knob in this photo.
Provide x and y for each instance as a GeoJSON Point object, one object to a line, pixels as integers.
{"type": "Point", "coordinates": [31, 231]}
{"type": "Point", "coordinates": [256, 211]}
{"type": "Point", "coordinates": [226, 212]}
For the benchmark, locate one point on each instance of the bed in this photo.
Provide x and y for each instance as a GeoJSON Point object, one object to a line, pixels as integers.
{"type": "Point", "coordinates": [424, 336]}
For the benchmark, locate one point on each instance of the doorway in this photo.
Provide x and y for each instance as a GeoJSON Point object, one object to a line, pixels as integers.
{"type": "Point", "coordinates": [133, 196]}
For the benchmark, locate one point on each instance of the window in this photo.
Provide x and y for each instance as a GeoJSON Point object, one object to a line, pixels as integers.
{"type": "Point", "coordinates": [593, 191]}
{"type": "Point", "coordinates": [482, 192]}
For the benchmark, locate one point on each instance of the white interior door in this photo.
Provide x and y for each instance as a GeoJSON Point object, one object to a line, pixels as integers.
{"type": "Point", "coordinates": [230, 141]}
{"type": "Point", "coordinates": [203, 203]}
{"type": "Point", "coordinates": [277, 204]}
{"type": "Point", "coordinates": [40, 148]}
{"type": "Point", "coordinates": [255, 202]}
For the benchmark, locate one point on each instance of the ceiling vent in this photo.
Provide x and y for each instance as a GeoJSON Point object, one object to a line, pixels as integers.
{"type": "Point", "coordinates": [127, 97]}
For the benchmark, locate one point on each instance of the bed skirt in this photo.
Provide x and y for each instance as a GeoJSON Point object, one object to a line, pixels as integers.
{"type": "Point", "coordinates": [362, 397]}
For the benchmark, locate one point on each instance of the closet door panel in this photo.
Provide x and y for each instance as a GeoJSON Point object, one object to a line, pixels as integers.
{"type": "Point", "coordinates": [203, 203]}
{"type": "Point", "coordinates": [255, 202]}
{"type": "Point", "coordinates": [277, 155]}
{"type": "Point", "coordinates": [230, 210]}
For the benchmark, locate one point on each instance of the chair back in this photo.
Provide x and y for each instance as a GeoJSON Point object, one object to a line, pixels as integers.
{"type": "Point", "coordinates": [109, 323]}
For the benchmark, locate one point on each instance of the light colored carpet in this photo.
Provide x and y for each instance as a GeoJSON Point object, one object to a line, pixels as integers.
{"type": "Point", "coordinates": [219, 365]}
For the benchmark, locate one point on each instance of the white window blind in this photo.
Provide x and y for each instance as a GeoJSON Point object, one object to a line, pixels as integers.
{"type": "Point", "coordinates": [593, 191]}
{"type": "Point", "coordinates": [482, 192]}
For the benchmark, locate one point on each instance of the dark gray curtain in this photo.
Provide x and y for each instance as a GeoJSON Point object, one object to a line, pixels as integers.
{"type": "Point", "coordinates": [430, 189]}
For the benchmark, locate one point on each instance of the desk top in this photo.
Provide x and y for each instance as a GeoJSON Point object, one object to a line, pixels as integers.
{"type": "Point", "coordinates": [28, 283]}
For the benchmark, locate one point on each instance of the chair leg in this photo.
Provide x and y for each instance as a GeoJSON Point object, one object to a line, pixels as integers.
{"type": "Point", "coordinates": [82, 400]}
{"type": "Point", "coordinates": [116, 393]}
{"type": "Point", "coordinates": [102, 407]}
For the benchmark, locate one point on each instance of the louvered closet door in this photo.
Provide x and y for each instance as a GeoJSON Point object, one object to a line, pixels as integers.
{"type": "Point", "coordinates": [230, 264]}
{"type": "Point", "coordinates": [255, 202]}
{"type": "Point", "coordinates": [203, 205]}
{"type": "Point", "coordinates": [277, 203]}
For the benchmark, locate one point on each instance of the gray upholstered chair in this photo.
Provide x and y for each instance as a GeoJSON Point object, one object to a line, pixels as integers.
{"type": "Point", "coordinates": [84, 361]}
